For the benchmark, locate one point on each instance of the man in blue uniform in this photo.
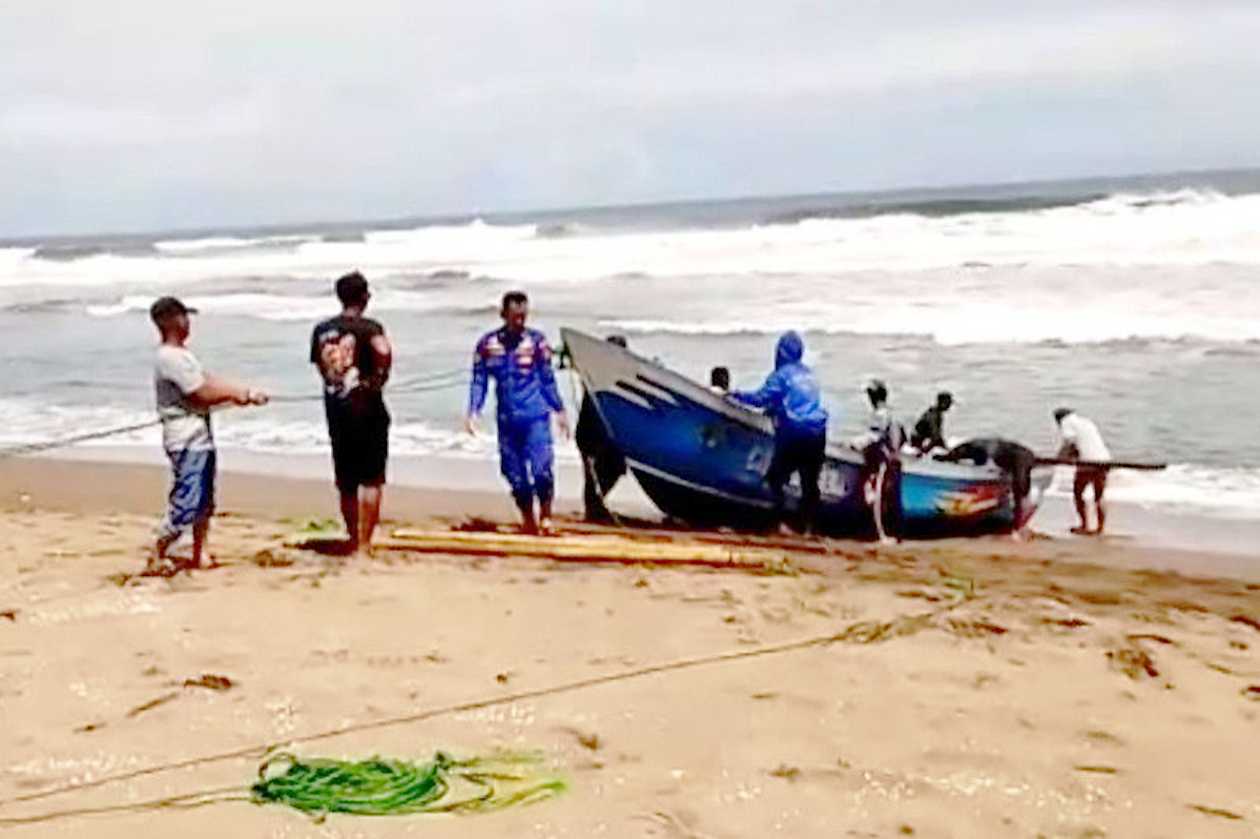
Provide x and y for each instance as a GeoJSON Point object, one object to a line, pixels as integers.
{"type": "Point", "coordinates": [519, 361]}
{"type": "Point", "coordinates": [792, 399]}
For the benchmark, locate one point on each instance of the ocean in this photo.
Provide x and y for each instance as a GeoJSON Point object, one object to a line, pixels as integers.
{"type": "Point", "coordinates": [1134, 300]}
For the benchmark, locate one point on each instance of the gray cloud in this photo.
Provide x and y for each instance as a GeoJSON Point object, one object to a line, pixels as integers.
{"type": "Point", "coordinates": [161, 114]}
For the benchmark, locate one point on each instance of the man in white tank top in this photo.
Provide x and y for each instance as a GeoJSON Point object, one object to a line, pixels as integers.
{"type": "Point", "coordinates": [1082, 441]}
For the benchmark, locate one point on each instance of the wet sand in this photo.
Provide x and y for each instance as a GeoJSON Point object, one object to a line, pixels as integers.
{"type": "Point", "coordinates": [954, 688]}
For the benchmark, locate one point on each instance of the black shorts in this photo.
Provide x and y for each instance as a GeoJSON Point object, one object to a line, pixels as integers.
{"type": "Point", "coordinates": [360, 444]}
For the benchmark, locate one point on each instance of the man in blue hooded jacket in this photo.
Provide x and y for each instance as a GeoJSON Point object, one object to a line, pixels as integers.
{"type": "Point", "coordinates": [792, 399]}
{"type": "Point", "coordinates": [519, 361]}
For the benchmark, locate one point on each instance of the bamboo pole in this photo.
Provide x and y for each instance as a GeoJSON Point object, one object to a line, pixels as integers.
{"type": "Point", "coordinates": [1102, 464]}
{"type": "Point", "coordinates": [581, 548]}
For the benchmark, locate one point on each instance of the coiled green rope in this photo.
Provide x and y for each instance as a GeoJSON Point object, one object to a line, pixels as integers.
{"type": "Point", "coordinates": [381, 787]}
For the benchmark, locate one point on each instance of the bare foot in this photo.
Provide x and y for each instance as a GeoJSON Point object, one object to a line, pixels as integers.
{"type": "Point", "coordinates": [159, 567]}
{"type": "Point", "coordinates": [1081, 531]}
{"type": "Point", "coordinates": [207, 563]}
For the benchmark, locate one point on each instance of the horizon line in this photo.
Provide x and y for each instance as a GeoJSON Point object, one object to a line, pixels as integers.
{"type": "Point", "coordinates": [433, 218]}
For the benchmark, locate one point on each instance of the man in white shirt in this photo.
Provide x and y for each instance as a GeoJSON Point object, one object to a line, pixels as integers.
{"type": "Point", "coordinates": [1082, 441]}
{"type": "Point", "coordinates": [185, 394]}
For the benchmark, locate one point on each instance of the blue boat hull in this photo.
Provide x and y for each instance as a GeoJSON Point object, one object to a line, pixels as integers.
{"type": "Point", "coordinates": [702, 459]}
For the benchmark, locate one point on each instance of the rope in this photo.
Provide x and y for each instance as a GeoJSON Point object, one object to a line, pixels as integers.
{"type": "Point", "coordinates": [187, 801]}
{"type": "Point", "coordinates": [379, 787]}
{"type": "Point", "coordinates": [62, 442]}
{"type": "Point", "coordinates": [373, 787]}
{"type": "Point", "coordinates": [860, 631]}
{"type": "Point", "coordinates": [428, 383]}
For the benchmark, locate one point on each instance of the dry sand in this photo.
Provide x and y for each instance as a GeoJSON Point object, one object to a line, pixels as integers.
{"type": "Point", "coordinates": [971, 688]}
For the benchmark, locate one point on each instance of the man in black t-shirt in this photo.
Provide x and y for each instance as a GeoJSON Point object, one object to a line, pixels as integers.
{"type": "Point", "coordinates": [354, 357]}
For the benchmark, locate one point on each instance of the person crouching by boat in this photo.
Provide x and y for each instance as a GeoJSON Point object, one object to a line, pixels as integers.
{"type": "Point", "coordinates": [1015, 460]}
{"type": "Point", "coordinates": [929, 431]}
{"type": "Point", "coordinates": [1081, 440]}
{"type": "Point", "coordinates": [603, 463]}
{"type": "Point", "coordinates": [881, 452]}
{"type": "Point", "coordinates": [793, 400]}
{"type": "Point", "coordinates": [519, 361]}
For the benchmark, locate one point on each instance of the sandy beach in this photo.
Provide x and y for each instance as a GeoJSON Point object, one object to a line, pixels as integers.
{"type": "Point", "coordinates": [943, 689]}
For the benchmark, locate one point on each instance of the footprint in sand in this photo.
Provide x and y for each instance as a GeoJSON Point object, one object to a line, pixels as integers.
{"type": "Point", "coordinates": [588, 740]}
{"type": "Point", "coordinates": [678, 824]}
{"type": "Point", "coordinates": [1105, 738]}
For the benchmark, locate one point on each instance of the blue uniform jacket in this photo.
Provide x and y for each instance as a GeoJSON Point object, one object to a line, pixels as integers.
{"type": "Point", "coordinates": [524, 383]}
{"type": "Point", "coordinates": [790, 396]}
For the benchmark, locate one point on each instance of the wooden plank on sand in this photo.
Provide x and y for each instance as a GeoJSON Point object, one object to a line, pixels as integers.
{"type": "Point", "coordinates": [581, 548]}
{"type": "Point", "coordinates": [743, 541]}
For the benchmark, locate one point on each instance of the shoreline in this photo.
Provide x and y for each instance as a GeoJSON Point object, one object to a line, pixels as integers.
{"type": "Point", "coordinates": [447, 490]}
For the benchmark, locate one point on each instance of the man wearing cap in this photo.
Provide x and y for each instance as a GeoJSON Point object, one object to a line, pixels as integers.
{"type": "Point", "coordinates": [1081, 441]}
{"type": "Point", "coordinates": [185, 395]}
{"type": "Point", "coordinates": [354, 359]}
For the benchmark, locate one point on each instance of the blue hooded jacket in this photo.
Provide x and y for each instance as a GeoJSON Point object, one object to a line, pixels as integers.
{"type": "Point", "coordinates": [790, 396]}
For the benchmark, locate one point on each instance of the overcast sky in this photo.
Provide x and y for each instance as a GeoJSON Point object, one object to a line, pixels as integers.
{"type": "Point", "coordinates": [142, 114]}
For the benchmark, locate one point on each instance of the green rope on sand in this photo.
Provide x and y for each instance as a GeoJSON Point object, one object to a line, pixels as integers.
{"type": "Point", "coordinates": [381, 787]}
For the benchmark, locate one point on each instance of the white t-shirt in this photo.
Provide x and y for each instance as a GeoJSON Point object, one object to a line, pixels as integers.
{"type": "Point", "coordinates": [176, 374]}
{"type": "Point", "coordinates": [1083, 434]}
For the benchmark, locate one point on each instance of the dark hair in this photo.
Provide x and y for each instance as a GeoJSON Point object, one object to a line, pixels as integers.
{"type": "Point", "coordinates": [945, 398]}
{"type": "Point", "coordinates": [720, 377]}
{"type": "Point", "coordinates": [617, 341]}
{"type": "Point", "coordinates": [877, 391]}
{"type": "Point", "coordinates": [514, 298]}
{"type": "Point", "coordinates": [165, 309]}
{"type": "Point", "coordinates": [352, 289]}
{"type": "Point", "coordinates": [1060, 413]}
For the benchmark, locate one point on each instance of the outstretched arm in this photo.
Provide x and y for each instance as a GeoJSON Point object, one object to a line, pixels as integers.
{"type": "Point", "coordinates": [217, 391]}
{"type": "Point", "coordinates": [769, 394]}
